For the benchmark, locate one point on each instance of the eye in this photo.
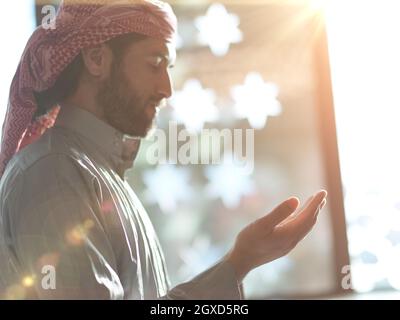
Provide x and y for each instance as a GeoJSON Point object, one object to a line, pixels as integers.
{"type": "Point", "coordinates": [155, 62]}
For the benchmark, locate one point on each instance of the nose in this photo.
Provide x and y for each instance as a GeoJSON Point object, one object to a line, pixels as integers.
{"type": "Point", "coordinates": [165, 87]}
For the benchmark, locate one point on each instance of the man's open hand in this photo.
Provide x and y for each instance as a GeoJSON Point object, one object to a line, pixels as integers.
{"type": "Point", "coordinates": [275, 234]}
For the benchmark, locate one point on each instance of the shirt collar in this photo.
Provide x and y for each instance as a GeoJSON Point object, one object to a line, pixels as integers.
{"type": "Point", "coordinates": [120, 149]}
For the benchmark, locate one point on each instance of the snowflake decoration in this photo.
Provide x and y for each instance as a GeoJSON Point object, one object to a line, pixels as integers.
{"type": "Point", "coordinates": [218, 29]}
{"type": "Point", "coordinates": [229, 182]}
{"type": "Point", "coordinates": [256, 100]}
{"type": "Point", "coordinates": [193, 106]}
{"type": "Point", "coordinates": [166, 185]}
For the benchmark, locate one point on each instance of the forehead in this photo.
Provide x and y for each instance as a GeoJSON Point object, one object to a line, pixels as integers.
{"type": "Point", "coordinates": [150, 47]}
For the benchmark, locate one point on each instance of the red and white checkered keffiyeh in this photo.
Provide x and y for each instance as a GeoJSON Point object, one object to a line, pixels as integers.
{"type": "Point", "coordinates": [78, 24]}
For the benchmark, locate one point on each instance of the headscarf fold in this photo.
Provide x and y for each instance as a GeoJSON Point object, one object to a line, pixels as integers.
{"type": "Point", "coordinates": [78, 24]}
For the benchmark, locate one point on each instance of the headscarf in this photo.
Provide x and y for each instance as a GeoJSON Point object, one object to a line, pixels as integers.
{"type": "Point", "coordinates": [78, 24]}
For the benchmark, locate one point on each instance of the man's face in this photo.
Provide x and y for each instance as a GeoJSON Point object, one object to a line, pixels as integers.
{"type": "Point", "coordinates": [137, 84]}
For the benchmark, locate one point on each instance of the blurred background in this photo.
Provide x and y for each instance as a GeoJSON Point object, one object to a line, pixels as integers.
{"type": "Point", "coordinates": [317, 81]}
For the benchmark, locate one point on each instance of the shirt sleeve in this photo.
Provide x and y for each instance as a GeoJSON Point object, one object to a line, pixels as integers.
{"type": "Point", "coordinates": [60, 244]}
{"type": "Point", "coordinates": [216, 283]}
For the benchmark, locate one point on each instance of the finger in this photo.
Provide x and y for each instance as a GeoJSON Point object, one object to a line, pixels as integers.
{"type": "Point", "coordinates": [311, 209]}
{"type": "Point", "coordinates": [322, 205]}
{"type": "Point", "coordinates": [280, 213]}
{"type": "Point", "coordinates": [307, 228]}
{"type": "Point", "coordinates": [307, 218]}
{"type": "Point", "coordinates": [321, 196]}
{"type": "Point", "coordinates": [297, 212]}
{"type": "Point", "coordinates": [306, 203]}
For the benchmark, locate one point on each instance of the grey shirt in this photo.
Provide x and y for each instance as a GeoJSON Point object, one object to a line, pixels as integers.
{"type": "Point", "coordinates": [71, 227]}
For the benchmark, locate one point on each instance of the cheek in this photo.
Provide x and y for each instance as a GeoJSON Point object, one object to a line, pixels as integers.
{"type": "Point", "coordinates": [138, 83]}
{"type": "Point", "coordinates": [142, 75]}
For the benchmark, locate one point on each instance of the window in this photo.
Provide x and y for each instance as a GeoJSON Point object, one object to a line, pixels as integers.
{"type": "Point", "coordinates": [364, 54]}
{"type": "Point", "coordinates": [11, 14]}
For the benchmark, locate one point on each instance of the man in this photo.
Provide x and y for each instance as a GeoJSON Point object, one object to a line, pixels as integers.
{"type": "Point", "coordinates": [66, 210]}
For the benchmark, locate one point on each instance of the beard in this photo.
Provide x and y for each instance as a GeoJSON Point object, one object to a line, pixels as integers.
{"type": "Point", "coordinates": [123, 108]}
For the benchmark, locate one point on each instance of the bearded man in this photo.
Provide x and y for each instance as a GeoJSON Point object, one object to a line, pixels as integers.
{"type": "Point", "coordinates": [83, 96]}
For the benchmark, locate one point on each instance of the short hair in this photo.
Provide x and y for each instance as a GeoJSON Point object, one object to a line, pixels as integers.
{"type": "Point", "coordinates": [67, 82]}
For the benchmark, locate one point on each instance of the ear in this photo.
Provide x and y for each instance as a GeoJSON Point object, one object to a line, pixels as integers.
{"type": "Point", "coordinates": [97, 60]}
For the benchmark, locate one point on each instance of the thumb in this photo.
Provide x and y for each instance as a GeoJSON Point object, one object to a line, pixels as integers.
{"type": "Point", "coordinates": [280, 213]}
